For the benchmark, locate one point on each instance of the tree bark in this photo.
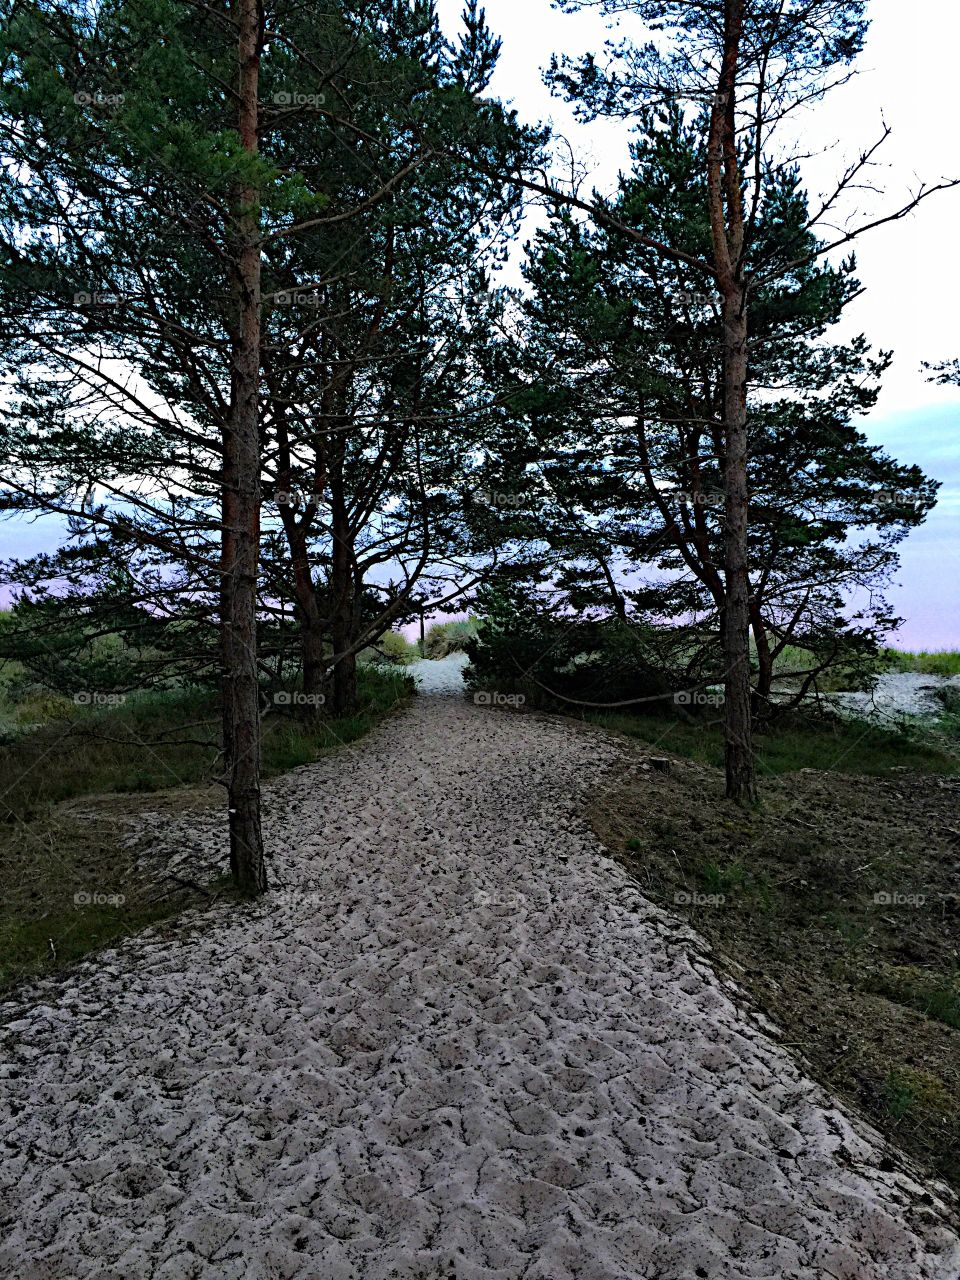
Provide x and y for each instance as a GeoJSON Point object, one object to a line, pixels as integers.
{"type": "Point", "coordinates": [310, 620]}
{"type": "Point", "coordinates": [241, 501]}
{"type": "Point", "coordinates": [343, 610]}
{"type": "Point", "coordinates": [345, 684]}
{"type": "Point", "coordinates": [727, 236]}
{"type": "Point", "coordinates": [764, 685]}
{"type": "Point", "coordinates": [738, 736]}
{"type": "Point", "coordinates": [344, 604]}
{"type": "Point", "coordinates": [313, 659]}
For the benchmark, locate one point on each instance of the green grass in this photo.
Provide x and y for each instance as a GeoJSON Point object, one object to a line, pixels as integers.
{"type": "Point", "coordinates": [915, 1092]}
{"type": "Point", "coordinates": [66, 934]}
{"type": "Point", "coordinates": [717, 879]}
{"type": "Point", "coordinates": [165, 739]}
{"type": "Point", "coordinates": [899, 1098]}
{"type": "Point", "coordinates": [797, 662]}
{"type": "Point", "coordinates": [935, 995]}
{"type": "Point", "coordinates": [68, 889]}
{"type": "Point", "coordinates": [444, 638]}
{"type": "Point", "coordinates": [946, 662]}
{"type": "Point", "coordinates": [392, 647]}
{"type": "Point", "coordinates": [809, 743]}
{"type": "Point", "coordinates": [943, 1004]}
{"type": "Point", "coordinates": [844, 677]}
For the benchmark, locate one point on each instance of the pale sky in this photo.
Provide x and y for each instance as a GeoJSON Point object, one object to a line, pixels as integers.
{"type": "Point", "coordinates": [908, 77]}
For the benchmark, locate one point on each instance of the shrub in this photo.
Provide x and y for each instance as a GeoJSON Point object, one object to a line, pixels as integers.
{"type": "Point", "coordinates": [445, 638]}
{"type": "Point", "coordinates": [40, 707]}
{"type": "Point", "coordinates": [392, 647]}
{"type": "Point", "coordinates": [556, 661]}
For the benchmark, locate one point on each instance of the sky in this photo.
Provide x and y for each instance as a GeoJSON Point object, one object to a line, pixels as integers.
{"type": "Point", "coordinates": [906, 77]}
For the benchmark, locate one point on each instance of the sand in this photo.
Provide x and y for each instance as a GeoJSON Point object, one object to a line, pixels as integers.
{"type": "Point", "coordinates": [453, 1041]}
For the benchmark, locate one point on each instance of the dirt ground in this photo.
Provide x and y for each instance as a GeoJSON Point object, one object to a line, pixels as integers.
{"type": "Point", "coordinates": [836, 907]}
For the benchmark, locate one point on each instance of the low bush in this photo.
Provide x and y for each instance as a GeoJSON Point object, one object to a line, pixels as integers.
{"type": "Point", "coordinates": [559, 662]}
{"type": "Point", "coordinates": [392, 648]}
{"type": "Point", "coordinates": [445, 638]}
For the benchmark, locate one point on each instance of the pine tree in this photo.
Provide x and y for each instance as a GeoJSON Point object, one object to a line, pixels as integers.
{"type": "Point", "coordinates": [622, 415]}
{"type": "Point", "coordinates": [739, 69]}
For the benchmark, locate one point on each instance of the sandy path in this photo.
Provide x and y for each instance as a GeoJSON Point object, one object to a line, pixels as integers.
{"type": "Point", "coordinates": [456, 1043]}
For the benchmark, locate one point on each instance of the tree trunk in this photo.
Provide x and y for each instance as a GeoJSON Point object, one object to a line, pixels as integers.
{"type": "Point", "coordinates": [311, 623]}
{"type": "Point", "coordinates": [344, 680]}
{"type": "Point", "coordinates": [241, 504]}
{"type": "Point", "coordinates": [762, 705]}
{"type": "Point", "coordinates": [343, 603]}
{"type": "Point", "coordinates": [345, 685]}
{"type": "Point", "coordinates": [314, 660]}
{"type": "Point", "coordinates": [727, 232]}
{"type": "Point", "coordinates": [741, 781]}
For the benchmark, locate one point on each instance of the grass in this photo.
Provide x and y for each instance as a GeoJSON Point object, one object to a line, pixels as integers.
{"type": "Point", "coordinates": [844, 677]}
{"type": "Point", "coordinates": [445, 638]}
{"type": "Point", "coordinates": [796, 662]}
{"type": "Point", "coordinates": [60, 795]}
{"type": "Point", "coordinates": [716, 879]}
{"type": "Point", "coordinates": [931, 994]}
{"type": "Point", "coordinates": [393, 648]}
{"type": "Point", "coordinates": [792, 744]}
{"type": "Point", "coordinates": [68, 890]}
{"type": "Point", "coordinates": [898, 1096]}
{"type": "Point", "coordinates": [945, 662]}
{"type": "Point", "coordinates": [911, 1093]}
{"type": "Point", "coordinates": [157, 740]}
{"type": "Point", "coordinates": [66, 935]}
